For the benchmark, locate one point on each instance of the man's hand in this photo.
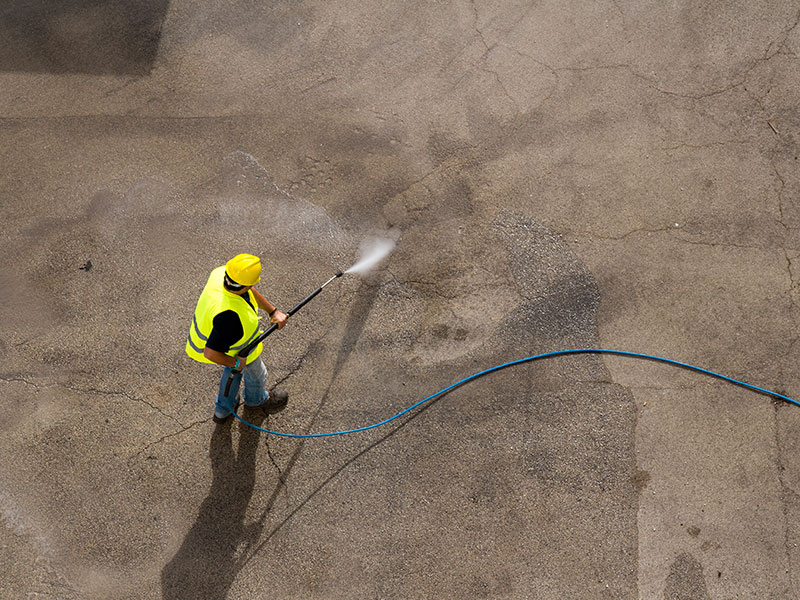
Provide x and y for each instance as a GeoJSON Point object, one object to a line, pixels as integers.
{"type": "Point", "coordinates": [279, 318]}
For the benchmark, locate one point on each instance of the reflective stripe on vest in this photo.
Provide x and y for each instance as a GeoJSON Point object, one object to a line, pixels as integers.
{"type": "Point", "coordinates": [213, 300]}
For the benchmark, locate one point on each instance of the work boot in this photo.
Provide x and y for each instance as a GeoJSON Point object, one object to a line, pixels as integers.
{"type": "Point", "coordinates": [225, 419]}
{"type": "Point", "coordinates": [277, 400]}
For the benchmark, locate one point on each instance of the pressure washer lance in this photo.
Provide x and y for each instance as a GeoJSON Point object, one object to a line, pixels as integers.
{"type": "Point", "coordinates": [246, 350]}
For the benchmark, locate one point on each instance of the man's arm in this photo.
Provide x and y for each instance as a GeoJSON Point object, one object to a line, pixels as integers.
{"type": "Point", "coordinates": [219, 357]}
{"type": "Point", "coordinates": [226, 329]}
{"type": "Point", "coordinates": [263, 303]}
{"type": "Point", "coordinates": [275, 316]}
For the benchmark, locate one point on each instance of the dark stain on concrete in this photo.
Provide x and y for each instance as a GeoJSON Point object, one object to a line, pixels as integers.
{"type": "Point", "coordinates": [640, 479]}
{"type": "Point", "coordinates": [98, 37]}
{"type": "Point", "coordinates": [685, 580]}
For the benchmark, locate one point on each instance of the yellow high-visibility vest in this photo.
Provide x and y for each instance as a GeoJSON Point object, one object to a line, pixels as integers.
{"type": "Point", "coordinates": [213, 300]}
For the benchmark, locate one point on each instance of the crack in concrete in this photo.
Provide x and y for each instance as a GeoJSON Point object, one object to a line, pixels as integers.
{"type": "Point", "coordinates": [768, 54]}
{"type": "Point", "coordinates": [766, 57]}
{"type": "Point", "coordinates": [17, 379]}
{"type": "Point", "coordinates": [502, 85]}
{"type": "Point", "coordinates": [282, 480]}
{"type": "Point", "coordinates": [274, 463]}
{"type": "Point", "coordinates": [295, 367]}
{"type": "Point", "coordinates": [792, 281]}
{"type": "Point", "coordinates": [725, 245]}
{"type": "Point", "coordinates": [782, 221]}
{"type": "Point", "coordinates": [88, 391]}
{"type": "Point", "coordinates": [166, 437]}
{"type": "Point", "coordinates": [118, 88]}
{"type": "Point", "coordinates": [742, 80]}
{"type": "Point", "coordinates": [683, 145]}
{"type": "Point", "coordinates": [608, 381]}
{"type": "Point", "coordinates": [612, 238]}
{"type": "Point", "coordinates": [610, 67]}
{"type": "Point", "coordinates": [327, 481]}
{"type": "Point", "coordinates": [312, 346]}
{"type": "Point", "coordinates": [653, 83]}
{"type": "Point", "coordinates": [455, 57]}
{"type": "Point", "coordinates": [487, 50]}
{"type": "Point", "coordinates": [477, 29]}
{"type": "Point", "coordinates": [785, 493]}
{"type": "Point", "coordinates": [607, 238]}
{"type": "Point", "coordinates": [451, 163]}
{"type": "Point", "coordinates": [318, 84]}
{"type": "Point", "coordinates": [124, 395]}
{"type": "Point", "coordinates": [782, 42]}
{"type": "Point", "coordinates": [543, 64]}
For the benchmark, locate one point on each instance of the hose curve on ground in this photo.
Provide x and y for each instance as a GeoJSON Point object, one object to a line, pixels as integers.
{"type": "Point", "coordinates": [517, 362]}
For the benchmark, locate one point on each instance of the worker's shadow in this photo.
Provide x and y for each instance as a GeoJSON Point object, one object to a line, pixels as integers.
{"type": "Point", "coordinates": [216, 546]}
{"type": "Point", "coordinates": [219, 545]}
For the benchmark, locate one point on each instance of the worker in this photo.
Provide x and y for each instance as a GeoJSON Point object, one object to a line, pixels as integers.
{"type": "Point", "coordinates": [225, 321]}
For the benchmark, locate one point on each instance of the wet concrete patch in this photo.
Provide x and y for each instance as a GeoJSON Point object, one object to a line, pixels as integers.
{"type": "Point", "coordinates": [640, 479]}
{"type": "Point", "coordinates": [685, 580]}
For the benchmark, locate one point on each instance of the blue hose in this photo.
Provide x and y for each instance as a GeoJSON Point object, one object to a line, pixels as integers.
{"type": "Point", "coordinates": [517, 362]}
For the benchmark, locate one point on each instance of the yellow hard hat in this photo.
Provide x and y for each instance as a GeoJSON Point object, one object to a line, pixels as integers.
{"type": "Point", "coordinates": [244, 269]}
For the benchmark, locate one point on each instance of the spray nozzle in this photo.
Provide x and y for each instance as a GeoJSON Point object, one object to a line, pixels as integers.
{"type": "Point", "coordinates": [339, 274]}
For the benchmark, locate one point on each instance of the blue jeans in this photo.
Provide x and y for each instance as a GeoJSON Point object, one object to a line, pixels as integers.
{"type": "Point", "coordinates": [255, 388]}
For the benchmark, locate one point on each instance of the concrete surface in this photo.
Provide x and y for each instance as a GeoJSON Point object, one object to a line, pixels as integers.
{"type": "Point", "coordinates": [614, 174]}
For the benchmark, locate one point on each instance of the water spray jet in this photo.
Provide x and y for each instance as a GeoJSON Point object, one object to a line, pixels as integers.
{"type": "Point", "coordinates": [372, 253]}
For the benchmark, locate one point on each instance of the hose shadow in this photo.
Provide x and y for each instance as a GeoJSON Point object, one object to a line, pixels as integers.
{"type": "Point", "coordinates": [355, 326]}
{"type": "Point", "coordinates": [333, 476]}
{"type": "Point", "coordinates": [213, 552]}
